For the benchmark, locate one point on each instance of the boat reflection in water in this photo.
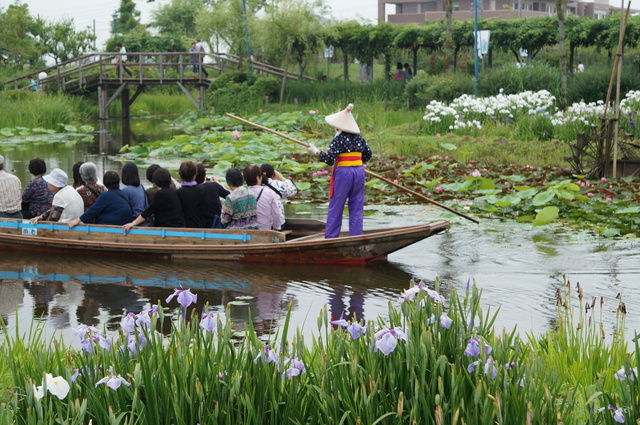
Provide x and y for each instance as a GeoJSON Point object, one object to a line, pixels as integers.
{"type": "Point", "coordinates": [63, 292]}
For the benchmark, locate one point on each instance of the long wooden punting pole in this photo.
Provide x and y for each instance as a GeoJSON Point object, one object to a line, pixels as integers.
{"type": "Point", "coordinates": [306, 145]}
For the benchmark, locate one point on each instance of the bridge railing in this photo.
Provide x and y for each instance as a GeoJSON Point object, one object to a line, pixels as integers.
{"type": "Point", "coordinates": [160, 67]}
{"type": "Point", "coordinates": [94, 68]}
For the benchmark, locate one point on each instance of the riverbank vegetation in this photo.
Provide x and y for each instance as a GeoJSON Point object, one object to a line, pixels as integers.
{"type": "Point", "coordinates": [432, 360]}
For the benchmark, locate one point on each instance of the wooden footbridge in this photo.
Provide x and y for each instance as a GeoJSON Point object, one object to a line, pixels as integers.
{"type": "Point", "coordinates": [102, 73]}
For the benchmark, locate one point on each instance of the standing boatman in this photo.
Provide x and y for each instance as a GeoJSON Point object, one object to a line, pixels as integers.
{"type": "Point", "coordinates": [348, 152]}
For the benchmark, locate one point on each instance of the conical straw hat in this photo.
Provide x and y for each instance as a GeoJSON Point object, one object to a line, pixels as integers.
{"type": "Point", "coordinates": [344, 121]}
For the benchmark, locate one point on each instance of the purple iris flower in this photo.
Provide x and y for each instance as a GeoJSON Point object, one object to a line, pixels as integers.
{"type": "Point", "coordinates": [489, 367]}
{"type": "Point", "coordinates": [618, 414]}
{"type": "Point", "coordinates": [143, 320]}
{"type": "Point", "coordinates": [295, 367]}
{"type": "Point", "coordinates": [113, 381]}
{"type": "Point", "coordinates": [268, 355]}
{"type": "Point", "coordinates": [355, 329]}
{"type": "Point", "coordinates": [473, 348]}
{"type": "Point", "coordinates": [410, 294]}
{"type": "Point", "coordinates": [75, 375]}
{"type": "Point", "coordinates": [624, 373]}
{"type": "Point", "coordinates": [209, 322]}
{"type": "Point", "coordinates": [128, 322]}
{"type": "Point", "coordinates": [87, 346]}
{"type": "Point", "coordinates": [136, 340]}
{"type": "Point", "coordinates": [387, 339]}
{"type": "Point", "coordinates": [82, 330]}
{"type": "Point", "coordinates": [472, 367]}
{"type": "Point", "coordinates": [103, 341]}
{"type": "Point", "coordinates": [185, 297]}
{"type": "Point", "coordinates": [445, 321]}
{"type": "Point", "coordinates": [632, 124]}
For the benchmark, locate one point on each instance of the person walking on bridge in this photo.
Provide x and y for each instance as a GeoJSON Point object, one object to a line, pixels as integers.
{"type": "Point", "coordinates": [122, 60]}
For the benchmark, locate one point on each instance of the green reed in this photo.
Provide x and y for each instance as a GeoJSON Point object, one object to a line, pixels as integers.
{"type": "Point", "coordinates": [429, 361]}
{"type": "Point", "coordinates": [34, 109]}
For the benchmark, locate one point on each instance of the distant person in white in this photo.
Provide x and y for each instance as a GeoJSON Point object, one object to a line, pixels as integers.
{"type": "Point", "coordinates": [580, 67]}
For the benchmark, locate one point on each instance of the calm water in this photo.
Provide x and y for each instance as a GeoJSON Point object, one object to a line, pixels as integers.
{"type": "Point", "coordinates": [518, 268]}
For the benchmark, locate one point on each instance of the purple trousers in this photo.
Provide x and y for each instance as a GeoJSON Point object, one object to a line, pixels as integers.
{"type": "Point", "coordinates": [348, 184]}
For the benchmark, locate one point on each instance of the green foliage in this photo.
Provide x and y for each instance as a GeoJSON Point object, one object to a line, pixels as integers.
{"type": "Point", "coordinates": [593, 84]}
{"type": "Point", "coordinates": [17, 44]}
{"type": "Point", "coordinates": [177, 17]}
{"type": "Point", "coordinates": [33, 109]}
{"type": "Point", "coordinates": [344, 92]}
{"type": "Point", "coordinates": [241, 92]}
{"type": "Point", "coordinates": [143, 41]}
{"type": "Point", "coordinates": [61, 41]}
{"type": "Point", "coordinates": [449, 87]}
{"type": "Point", "coordinates": [418, 88]}
{"type": "Point", "coordinates": [538, 75]}
{"type": "Point", "coordinates": [129, 18]}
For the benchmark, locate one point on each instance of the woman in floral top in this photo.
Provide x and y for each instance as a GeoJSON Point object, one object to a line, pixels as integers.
{"type": "Point", "coordinates": [36, 195]}
{"type": "Point", "coordinates": [240, 208]}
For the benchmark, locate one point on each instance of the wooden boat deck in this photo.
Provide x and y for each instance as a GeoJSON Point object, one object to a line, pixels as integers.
{"type": "Point", "coordinates": [215, 244]}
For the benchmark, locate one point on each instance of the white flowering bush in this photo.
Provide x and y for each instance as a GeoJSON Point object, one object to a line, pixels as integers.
{"type": "Point", "coordinates": [528, 115]}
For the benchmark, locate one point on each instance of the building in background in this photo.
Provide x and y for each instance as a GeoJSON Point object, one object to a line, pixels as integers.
{"type": "Point", "coordinates": [421, 11]}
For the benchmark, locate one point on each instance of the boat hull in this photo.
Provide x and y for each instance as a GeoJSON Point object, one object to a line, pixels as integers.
{"type": "Point", "coordinates": [247, 246]}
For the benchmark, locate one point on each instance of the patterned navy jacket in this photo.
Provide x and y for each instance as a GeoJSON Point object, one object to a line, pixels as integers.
{"type": "Point", "coordinates": [344, 143]}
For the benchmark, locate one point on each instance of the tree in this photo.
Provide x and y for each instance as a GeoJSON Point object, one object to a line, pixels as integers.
{"type": "Point", "coordinates": [177, 17]}
{"type": "Point", "coordinates": [581, 32]}
{"type": "Point", "coordinates": [448, 39]}
{"type": "Point", "coordinates": [18, 45]}
{"type": "Point", "coordinates": [385, 35]}
{"type": "Point", "coordinates": [561, 7]}
{"type": "Point", "coordinates": [223, 24]}
{"type": "Point", "coordinates": [462, 37]}
{"type": "Point", "coordinates": [61, 41]}
{"type": "Point", "coordinates": [371, 43]}
{"type": "Point", "coordinates": [415, 37]}
{"type": "Point", "coordinates": [292, 29]}
{"type": "Point", "coordinates": [128, 17]}
{"type": "Point", "coordinates": [341, 37]}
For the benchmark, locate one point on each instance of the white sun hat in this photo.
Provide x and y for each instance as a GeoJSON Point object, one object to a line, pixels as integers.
{"type": "Point", "coordinates": [343, 121]}
{"type": "Point", "coordinates": [57, 178]}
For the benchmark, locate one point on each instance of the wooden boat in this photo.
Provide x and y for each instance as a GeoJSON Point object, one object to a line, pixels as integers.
{"type": "Point", "coordinates": [300, 242]}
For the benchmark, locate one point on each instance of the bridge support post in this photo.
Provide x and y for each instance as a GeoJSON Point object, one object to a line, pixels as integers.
{"type": "Point", "coordinates": [103, 109]}
{"type": "Point", "coordinates": [126, 105]}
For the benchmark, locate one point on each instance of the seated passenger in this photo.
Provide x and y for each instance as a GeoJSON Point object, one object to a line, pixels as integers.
{"type": "Point", "coordinates": [91, 189]}
{"type": "Point", "coordinates": [77, 179]}
{"type": "Point", "coordinates": [213, 192]}
{"type": "Point", "coordinates": [239, 209]}
{"type": "Point", "coordinates": [165, 205]}
{"type": "Point", "coordinates": [275, 181]}
{"type": "Point", "coordinates": [36, 198]}
{"type": "Point", "coordinates": [110, 208]}
{"type": "Point", "coordinates": [132, 189]}
{"type": "Point", "coordinates": [192, 197]}
{"type": "Point", "coordinates": [153, 189]}
{"type": "Point", "coordinates": [267, 200]}
{"type": "Point", "coordinates": [67, 204]}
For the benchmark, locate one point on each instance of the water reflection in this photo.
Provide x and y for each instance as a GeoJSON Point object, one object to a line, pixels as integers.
{"type": "Point", "coordinates": [66, 292]}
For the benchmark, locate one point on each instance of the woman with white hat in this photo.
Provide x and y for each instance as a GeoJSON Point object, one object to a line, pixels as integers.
{"type": "Point", "coordinates": [348, 152]}
{"type": "Point", "coordinates": [67, 204]}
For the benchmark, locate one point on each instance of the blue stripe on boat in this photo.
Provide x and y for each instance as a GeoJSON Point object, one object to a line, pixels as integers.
{"type": "Point", "coordinates": [135, 231]}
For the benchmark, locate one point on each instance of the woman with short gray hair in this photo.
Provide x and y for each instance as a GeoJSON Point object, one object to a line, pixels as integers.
{"type": "Point", "coordinates": [91, 189]}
